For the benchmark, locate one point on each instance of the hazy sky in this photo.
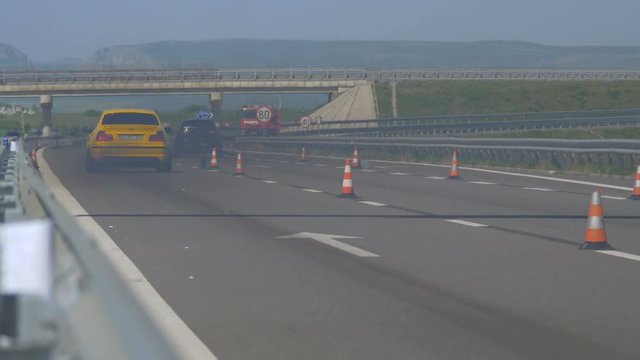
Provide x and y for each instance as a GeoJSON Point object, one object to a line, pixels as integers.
{"type": "Point", "coordinates": [53, 29]}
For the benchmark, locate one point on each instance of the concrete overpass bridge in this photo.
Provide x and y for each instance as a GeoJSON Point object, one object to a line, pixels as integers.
{"type": "Point", "coordinates": [216, 82]}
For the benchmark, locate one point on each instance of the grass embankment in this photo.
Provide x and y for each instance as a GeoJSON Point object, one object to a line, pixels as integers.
{"type": "Point", "coordinates": [422, 98]}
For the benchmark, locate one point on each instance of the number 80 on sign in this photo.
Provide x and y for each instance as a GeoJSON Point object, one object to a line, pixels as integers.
{"type": "Point", "coordinates": [264, 114]}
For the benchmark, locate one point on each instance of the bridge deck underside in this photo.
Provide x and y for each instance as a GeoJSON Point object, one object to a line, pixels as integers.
{"type": "Point", "coordinates": [177, 87]}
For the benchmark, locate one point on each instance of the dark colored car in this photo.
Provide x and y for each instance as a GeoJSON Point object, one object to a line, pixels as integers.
{"type": "Point", "coordinates": [197, 137]}
{"type": "Point", "coordinates": [13, 134]}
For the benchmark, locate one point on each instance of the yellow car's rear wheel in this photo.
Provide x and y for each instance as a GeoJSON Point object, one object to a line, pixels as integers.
{"type": "Point", "coordinates": [164, 166]}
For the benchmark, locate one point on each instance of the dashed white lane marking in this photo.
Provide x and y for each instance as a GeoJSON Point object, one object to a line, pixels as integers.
{"type": "Point", "coordinates": [212, 170]}
{"type": "Point", "coordinates": [179, 164]}
{"type": "Point", "coordinates": [312, 190]}
{"type": "Point", "coordinates": [195, 167]}
{"type": "Point", "coordinates": [466, 223]}
{"type": "Point", "coordinates": [368, 170]}
{"type": "Point", "coordinates": [399, 173]}
{"type": "Point", "coordinates": [434, 177]}
{"type": "Point", "coordinates": [372, 203]}
{"type": "Point", "coordinates": [339, 167]}
{"type": "Point", "coordinates": [261, 166]}
{"type": "Point", "coordinates": [269, 181]}
{"type": "Point", "coordinates": [620, 254]}
{"type": "Point", "coordinates": [482, 182]}
{"type": "Point", "coordinates": [320, 165]}
{"type": "Point", "coordinates": [537, 189]}
{"type": "Point", "coordinates": [271, 160]}
{"type": "Point", "coordinates": [284, 161]}
{"type": "Point", "coordinates": [381, 167]}
{"type": "Point", "coordinates": [330, 240]}
{"type": "Point", "coordinates": [614, 197]}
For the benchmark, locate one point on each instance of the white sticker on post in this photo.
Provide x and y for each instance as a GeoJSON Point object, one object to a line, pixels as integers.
{"type": "Point", "coordinates": [26, 258]}
{"type": "Point", "coordinates": [13, 147]}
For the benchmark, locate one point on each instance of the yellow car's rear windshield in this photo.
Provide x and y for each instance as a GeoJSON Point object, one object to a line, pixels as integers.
{"type": "Point", "coordinates": [130, 119]}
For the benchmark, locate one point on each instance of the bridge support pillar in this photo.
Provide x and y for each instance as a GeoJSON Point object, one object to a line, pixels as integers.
{"type": "Point", "coordinates": [46, 104]}
{"type": "Point", "coordinates": [394, 103]}
{"type": "Point", "coordinates": [215, 99]}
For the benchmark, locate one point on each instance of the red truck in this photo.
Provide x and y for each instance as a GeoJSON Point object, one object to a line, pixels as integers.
{"type": "Point", "coordinates": [259, 120]}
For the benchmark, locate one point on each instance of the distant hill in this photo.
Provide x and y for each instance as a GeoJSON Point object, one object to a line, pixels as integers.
{"type": "Point", "coordinates": [372, 54]}
{"type": "Point", "coordinates": [67, 63]}
{"type": "Point", "coordinates": [12, 58]}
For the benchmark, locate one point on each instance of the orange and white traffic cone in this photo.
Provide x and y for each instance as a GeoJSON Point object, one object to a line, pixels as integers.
{"type": "Point", "coordinates": [214, 159]}
{"type": "Point", "coordinates": [455, 173]}
{"type": "Point", "coordinates": [635, 193]}
{"type": "Point", "coordinates": [347, 182]}
{"type": "Point", "coordinates": [355, 163]}
{"type": "Point", "coordinates": [239, 168]}
{"type": "Point", "coordinates": [596, 236]}
{"type": "Point", "coordinates": [303, 155]}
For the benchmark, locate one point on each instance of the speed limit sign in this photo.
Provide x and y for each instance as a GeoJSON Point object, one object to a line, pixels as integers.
{"type": "Point", "coordinates": [305, 121]}
{"type": "Point", "coordinates": [264, 114]}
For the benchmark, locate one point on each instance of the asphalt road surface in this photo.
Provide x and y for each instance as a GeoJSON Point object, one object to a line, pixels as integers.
{"type": "Point", "coordinates": [486, 267]}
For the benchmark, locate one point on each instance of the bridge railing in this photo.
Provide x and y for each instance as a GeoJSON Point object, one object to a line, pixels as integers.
{"type": "Point", "coordinates": [80, 307]}
{"type": "Point", "coordinates": [387, 75]}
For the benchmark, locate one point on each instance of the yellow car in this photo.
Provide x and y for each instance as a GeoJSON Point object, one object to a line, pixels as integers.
{"type": "Point", "coordinates": [129, 136]}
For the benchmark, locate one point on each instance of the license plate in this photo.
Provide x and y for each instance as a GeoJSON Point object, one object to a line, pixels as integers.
{"type": "Point", "coordinates": [131, 137]}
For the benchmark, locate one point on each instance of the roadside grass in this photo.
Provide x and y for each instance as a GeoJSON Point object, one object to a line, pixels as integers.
{"type": "Point", "coordinates": [422, 98]}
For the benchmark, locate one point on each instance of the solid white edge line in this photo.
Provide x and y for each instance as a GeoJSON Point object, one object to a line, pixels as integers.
{"type": "Point", "coordinates": [482, 183]}
{"type": "Point", "coordinates": [372, 203]}
{"type": "Point", "coordinates": [434, 177]}
{"type": "Point", "coordinates": [466, 223]}
{"type": "Point", "coordinates": [184, 341]}
{"type": "Point", "coordinates": [579, 182]}
{"type": "Point", "coordinates": [620, 254]}
{"type": "Point", "coordinates": [399, 173]}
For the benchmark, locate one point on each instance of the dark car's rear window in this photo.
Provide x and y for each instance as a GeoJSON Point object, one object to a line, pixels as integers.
{"type": "Point", "coordinates": [201, 124]}
{"type": "Point", "coordinates": [130, 119]}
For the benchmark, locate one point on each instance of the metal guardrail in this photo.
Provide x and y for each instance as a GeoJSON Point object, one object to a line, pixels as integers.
{"type": "Point", "coordinates": [470, 124]}
{"type": "Point", "coordinates": [93, 314]}
{"type": "Point", "coordinates": [172, 75]}
{"type": "Point", "coordinates": [615, 145]}
{"type": "Point", "coordinates": [621, 155]}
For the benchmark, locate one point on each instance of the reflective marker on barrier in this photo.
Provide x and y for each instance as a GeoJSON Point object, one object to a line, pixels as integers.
{"type": "Point", "coordinates": [26, 266]}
